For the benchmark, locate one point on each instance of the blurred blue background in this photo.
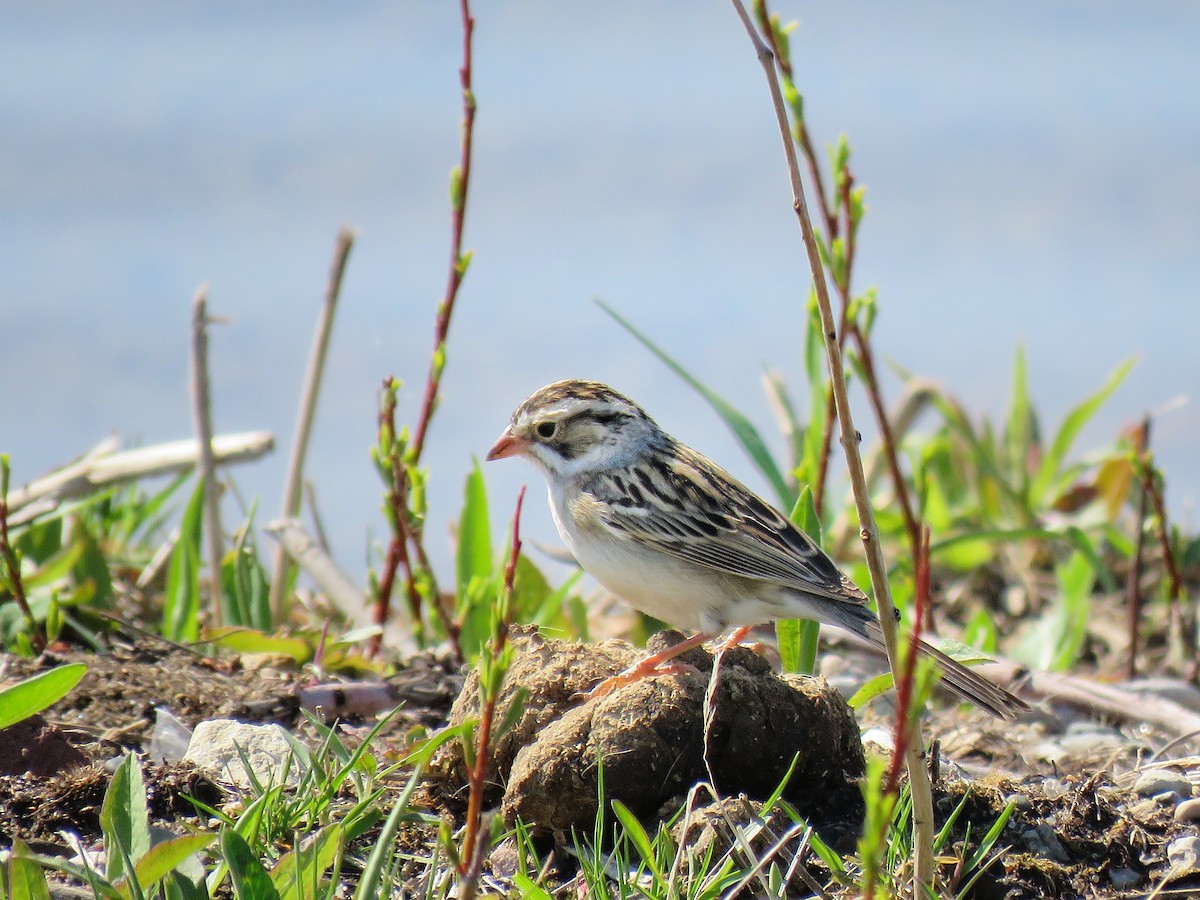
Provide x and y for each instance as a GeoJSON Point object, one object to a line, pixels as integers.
{"type": "Point", "coordinates": [1033, 175]}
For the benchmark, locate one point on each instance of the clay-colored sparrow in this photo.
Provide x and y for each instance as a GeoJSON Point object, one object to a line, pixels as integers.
{"type": "Point", "coordinates": [677, 537]}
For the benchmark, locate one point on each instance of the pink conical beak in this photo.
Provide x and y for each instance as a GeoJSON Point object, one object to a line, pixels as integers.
{"type": "Point", "coordinates": [508, 444]}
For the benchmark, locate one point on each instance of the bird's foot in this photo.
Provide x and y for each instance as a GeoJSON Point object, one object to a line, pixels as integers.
{"type": "Point", "coordinates": [662, 663]}
{"type": "Point", "coordinates": [735, 639]}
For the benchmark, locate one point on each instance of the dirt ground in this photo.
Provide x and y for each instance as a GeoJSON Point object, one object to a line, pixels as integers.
{"type": "Point", "coordinates": [1076, 821]}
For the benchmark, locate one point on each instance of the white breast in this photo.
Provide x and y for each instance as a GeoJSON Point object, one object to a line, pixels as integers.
{"type": "Point", "coordinates": [679, 593]}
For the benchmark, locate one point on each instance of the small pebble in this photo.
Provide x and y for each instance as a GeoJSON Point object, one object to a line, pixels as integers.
{"type": "Point", "coordinates": [1153, 782]}
{"type": "Point", "coordinates": [1184, 855]}
{"type": "Point", "coordinates": [1042, 840]}
{"type": "Point", "coordinates": [1188, 810]}
{"type": "Point", "coordinates": [1124, 879]}
{"type": "Point", "coordinates": [1054, 788]}
{"type": "Point", "coordinates": [1020, 801]}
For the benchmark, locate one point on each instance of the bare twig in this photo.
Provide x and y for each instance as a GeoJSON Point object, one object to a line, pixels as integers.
{"type": "Point", "coordinates": [314, 513]}
{"type": "Point", "coordinates": [205, 462]}
{"type": "Point", "coordinates": [293, 483]}
{"type": "Point", "coordinates": [458, 261]}
{"type": "Point", "coordinates": [408, 532]}
{"type": "Point", "coordinates": [918, 775]}
{"type": "Point", "coordinates": [335, 584]}
{"type": "Point", "coordinates": [92, 473]}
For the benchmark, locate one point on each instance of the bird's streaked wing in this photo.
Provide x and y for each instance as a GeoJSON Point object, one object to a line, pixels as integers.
{"type": "Point", "coordinates": [688, 507]}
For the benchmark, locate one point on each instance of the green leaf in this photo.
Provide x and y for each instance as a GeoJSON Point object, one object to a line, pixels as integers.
{"type": "Point", "coordinates": [149, 514]}
{"type": "Point", "coordinates": [1052, 463]}
{"type": "Point", "coordinates": [38, 692]}
{"type": "Point", "coordinates": [245, 589]}
{"type": "Point", "coordinates": [528, 889]}
{"type": "Point", "coordinates": [743, 430]}
{"type": "Point", "coordinates": [247, 640]}
{"type": "Point", "coordinates": [164, 858]}
{"type": "Point", "coordinates": [123, 818]}
{"type": "Point", "coordinates": [881, 684]}
{"type": "Point", "coordinates": [26, 880]}
{"type": "Point", "coordinates": [473, 558]}
{"type": "Point", "coordinates": [55, 568]}
{"type": "Point", "coordinates": [250, 879]}
{"type": "Point", "coordinates": [1017, 434]}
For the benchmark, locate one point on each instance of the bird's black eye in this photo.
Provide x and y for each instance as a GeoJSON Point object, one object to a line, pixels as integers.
{"type": "Point", "coordinates": [546, 429]}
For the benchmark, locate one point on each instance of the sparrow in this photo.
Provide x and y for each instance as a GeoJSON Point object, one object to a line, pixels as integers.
{"type": "Point", "coordinates": [677, 537]}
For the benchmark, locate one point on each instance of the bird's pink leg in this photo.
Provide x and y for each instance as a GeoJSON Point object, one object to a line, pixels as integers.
{"type": "Point", "coordinates": [735, 638]}
{"type": "Point", "coordinates": [656, 664]}
{"type": "Point", "coordinates": [660, 663]}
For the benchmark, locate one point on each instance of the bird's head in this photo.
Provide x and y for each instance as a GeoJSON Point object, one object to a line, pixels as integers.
{"type": "Point", "coordinates": [574, 426]}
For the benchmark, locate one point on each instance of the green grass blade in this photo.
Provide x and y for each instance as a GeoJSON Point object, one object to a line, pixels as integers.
{"type": "Point", "coordinates": [743, 430]}
{"type": "Point", "coordinates": [639, 838]}
{"type": "Point", "coordinates": [1052, 463]}
{"type": "Point", "coordinates": [473, 558]}
{"type": "Point", "coordinates": [1018, 436]}
{"type": "Point", "coordinates": [529, 890]}
{"type": "Point", "coordinates": [181, 606]}
{"type": "Point", "coordinates": [31, 696]}
{"type": "Point", "coordinates": [298, 873]}
{"type": "Point", "coordinates": [798, 638]}
{"type": "Point", "coordinates": [370, 884]}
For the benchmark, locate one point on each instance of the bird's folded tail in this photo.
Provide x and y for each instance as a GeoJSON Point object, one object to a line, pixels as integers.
{"type": "Point", "coordinates": [958, 679]}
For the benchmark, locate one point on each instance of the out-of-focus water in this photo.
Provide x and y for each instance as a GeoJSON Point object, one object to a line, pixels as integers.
{"type": "Point", "coordinates": [1033, 174]}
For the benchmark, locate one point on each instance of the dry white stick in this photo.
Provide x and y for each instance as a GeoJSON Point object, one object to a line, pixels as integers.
{"type": "Point", "coordinates": [308, 408]}
{"type": "Point", "coordinates": [321, 568]}
{"type": "Point", "coordinates": [89, 474]}
{"type": "Point", "coordinates": [206, 465]}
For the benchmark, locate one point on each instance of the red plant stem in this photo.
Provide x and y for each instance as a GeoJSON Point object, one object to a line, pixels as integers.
{"type": "Point", "coordinates": [1133, 593]}
{"type": "Point", "coordinates": [830, 415]}
{"type": "Point", "coordinates": [489, 695]}
{"type": "Point", "coordinates": [37, 636]}
{"type": "Point", "coordinates": [458, 217]}
{"type": "Point", "coordinates": [904, 690]}
{"type": "Point", "coordinates": [1151, 490]}
{"type": "Point", "coordinates": [845, 189]}
{"type": "Point", "coordinates": [802, 136]}
{"type": "Point", "coordinates": [888, 440]}
{"type": "Point", "coordinates": [402, 535]}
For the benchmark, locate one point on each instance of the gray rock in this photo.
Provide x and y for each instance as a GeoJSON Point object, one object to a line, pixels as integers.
{"type": "Point", "coordinates": [215, 747]}
{"type": "Point", "coordinates": [1042, 840]}
{"type": "Point", "coordinates": [1184, 855]}
{"type": "Point", "coordinates": [1124, 879]}
{"type": "Point", "coordinates": [1188, 811]}
{"type": "Point", "coordinates": [1153, 782]}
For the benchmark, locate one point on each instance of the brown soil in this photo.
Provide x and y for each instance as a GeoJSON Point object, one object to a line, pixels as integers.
{"type": "Point", "coordinates": [1065, 837]}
